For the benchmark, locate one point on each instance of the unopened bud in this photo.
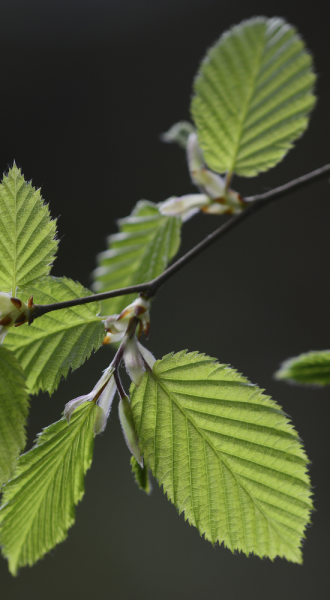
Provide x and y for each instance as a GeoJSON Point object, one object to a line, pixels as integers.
{"type": "Point", "coordinates": [13, 312]}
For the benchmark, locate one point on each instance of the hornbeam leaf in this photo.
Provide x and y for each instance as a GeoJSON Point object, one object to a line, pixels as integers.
{"type": "Point", "coordinates": [38, 503]}
{"type": "Point", "coordinates": [58, 341]}
{"type": "Point", "coordinates": [27, 233]}
{"type": "Point", "coordinates": [14, 407]}
{"type": "Point", "coordinates": [253, 95]}
{"type": "Point", "coordinates": [225, 454]}
{"type": "Point", "coordinates": [311, 368]}
{"type": "Point", "coordinates": [141, 250]}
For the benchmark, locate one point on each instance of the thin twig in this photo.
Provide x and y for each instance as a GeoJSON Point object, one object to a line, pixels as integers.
{"type": "Point", "coordinates": [254, 203]}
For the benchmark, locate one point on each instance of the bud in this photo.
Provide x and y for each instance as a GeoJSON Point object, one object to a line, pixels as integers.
{"type": "Point", "coordinates": [128, 427]}
{"type": "Point", "coordinates": [184, 206]}
{"type": "Point", "coordinates": [117, 325]}
{"type": "Point", "coordinates": [13, 312]}
{"type": "Point", "coordinates": [225, 201]}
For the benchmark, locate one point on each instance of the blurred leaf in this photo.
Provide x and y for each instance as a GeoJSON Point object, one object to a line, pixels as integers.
{"type": "Point", "coordinates": [178, 133]}
{"type": "Point", "coordinates": [14, 408]}
{"type": "Point", "coordinates": [141, 476]}
{"type": "Point", "coordinates": [312, 368]}
{"type": "Point", "coordinates": [141, 250]}
{"type": "Point", "coordinates": [27, 233]}
{"type": "Point", "coordinates": [225, 454]}
{"type": "Point", "coordinates": [59, 340]}
{"type": "Point", "coordinates": [253, 95]}
{"type": "Point", "coordinates": [38, 503]}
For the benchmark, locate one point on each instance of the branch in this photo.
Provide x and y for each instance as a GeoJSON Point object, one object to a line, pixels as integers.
{"type": "Point", "coordinates": [254, 203]}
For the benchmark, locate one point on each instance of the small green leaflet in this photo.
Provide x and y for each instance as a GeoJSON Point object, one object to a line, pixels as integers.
{"type": "Point", "coordinates": [14, 408]}
{"type": "Point", "coordinates": [27, 233]}
{"type": "Point", "coordinates": [225, 454]}
{"type": "Point", "coordinates": [311, 368]}
{"type": "Point", "coordinates": [253, 95]}
{"type": "Point", "coordinates": [38, 503]}
{"type": "Point", "coordinates": [178, 133]}
{"type": "Point", "coordinates": [58, 341]}
{"type": "Point", "coordinates": [141, 476]}
{"type": "Point", "coordinates": [139, 252]}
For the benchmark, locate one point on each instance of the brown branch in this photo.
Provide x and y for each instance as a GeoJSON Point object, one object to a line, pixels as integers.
{"type": "Point", "coordinates": [254, 203]}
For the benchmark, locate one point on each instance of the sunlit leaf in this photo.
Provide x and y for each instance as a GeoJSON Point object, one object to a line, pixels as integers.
{"type": "Point", "coordinates": [38, 503]}
{"type": "Point", "coordinates": [311, 368]}
{"type": "Point", "coordinates": [14, 408]}
{"type": "Point", "coordinates": [27, 233]}
{"type": "Point", "coordinates": [141, 250]}
{"type": "Point", "coordinates": [58, 341]}
{"type": "Point", "coordinates": [225, 454]}
{"type": "Point", "coordinates": [253, 95]}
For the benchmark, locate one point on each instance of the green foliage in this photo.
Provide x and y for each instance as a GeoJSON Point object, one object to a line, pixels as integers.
{"type": "Point", "coordinates": [14, 407]}
{"type": "Point", "coordinates": [27, 244]}
{"type": "Point", "coordinates": [253, 94]}
{"type": "Point", "coordinates": [141, 476]}
{"type": "Point", "coordinates": [312, 368]}
{"type": "Point", "coordinates": [38, 503]}
{"type": "Point", "coordinates": [58, 341]}
{"type": "Point", "coordinates": [225, 454]}
{"type": "Point", "coordinates": [141, 250]}
{"type": "Point", "coordinates": [178, 133]}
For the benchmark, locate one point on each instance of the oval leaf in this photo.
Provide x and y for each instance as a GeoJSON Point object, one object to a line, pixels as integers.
{"type": "Point", "coordinates": [225, 454]}
{"type": "Point", "coordinates": [253, 94]}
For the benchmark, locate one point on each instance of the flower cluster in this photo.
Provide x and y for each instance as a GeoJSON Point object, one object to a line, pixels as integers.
{"type": "Point", "coordinates": [125, 328]}
{"type": "Point", "coordinates": [13, 312]}
{"type": "Point", "coordinates": [214, 197]}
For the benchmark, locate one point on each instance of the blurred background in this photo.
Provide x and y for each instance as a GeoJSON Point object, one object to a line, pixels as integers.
{"type": "Point", "coordinates": [87, 87]}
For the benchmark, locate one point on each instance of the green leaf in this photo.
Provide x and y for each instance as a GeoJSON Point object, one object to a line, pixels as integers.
{"type": "Point", "coordinates": [57, 341]}
{"type": "Point", "coordinates": [253, 95]}
{"type": "Point", "coordinates": [141, 476]}
{"type": "Point", "coordinates": [14, 408]}
{"type": "Point", "coordinates": [225, 454]}
{"type": "Point", "coordinates": [38, 503]}
{"type": "Point", "coordinates": [27, 233]}
{"type": "Point", "coordinates": [311, 368]}
{"type": "Point", "coordinates": [178, 133]}
{"type": "Point", "coordinates": [141, 250]}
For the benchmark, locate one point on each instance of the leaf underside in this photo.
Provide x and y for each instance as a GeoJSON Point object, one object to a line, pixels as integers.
{"type": "Point", "coordinates": [14, 408]}
{"type": "Point", "coordinates": [311, 368]}
{"type": "Point", "coordinates": [27, 233]}
{"type": "Point", "coordinates": [38, 503]}
{"type": "Point", "coordinates": [141, 250]}
{"type": "Point", "coordinates": [225, 454]}
{"type": "Point", "coordinates": [59, 340]}
{"type": "Point", "coordinates": [252, 96]}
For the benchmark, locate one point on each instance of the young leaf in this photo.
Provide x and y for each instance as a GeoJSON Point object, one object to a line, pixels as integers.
{"type": "Point", "coordinates": [58, 341]}
{"type": "Point", "coordinates": [141, 476]}
{"type": "Point", "coordinates": [38, 503]}
{"type": "Point", "coordinates": [225, 454]}
{"type": "Point", "coordinates": [14, 408]}
{"type": "Point", "coordinates": [139, 252]}
{"type": "Point", "coordinates": [311, 368]}
{"type": "Point", "coordinates": [253, 95]}
{"type": "Point", "coordinates": [178, 133]}
{"type": "Point", "coordinates": [27, 233]}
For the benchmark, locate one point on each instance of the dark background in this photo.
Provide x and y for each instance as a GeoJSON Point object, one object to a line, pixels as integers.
{"type": "Point", "coordinates": [86, 89]}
